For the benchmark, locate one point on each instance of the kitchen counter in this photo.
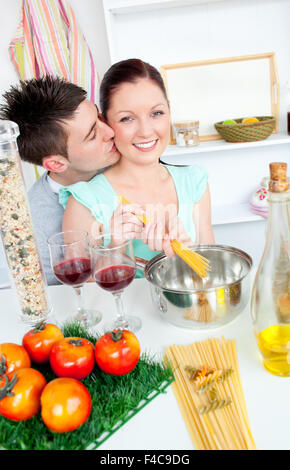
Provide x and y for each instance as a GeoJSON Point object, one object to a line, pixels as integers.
{"type": "Point", "coordinates": [160, 425]}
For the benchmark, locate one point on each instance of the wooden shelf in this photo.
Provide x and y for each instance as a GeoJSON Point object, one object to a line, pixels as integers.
{"type": "Point", "coordinates": [174, 155]}
{"type": "Point", "coordinates": [118, 7]}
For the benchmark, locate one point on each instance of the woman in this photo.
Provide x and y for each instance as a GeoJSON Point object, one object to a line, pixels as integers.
{"type": "Point", "coordinates": [175, 200]}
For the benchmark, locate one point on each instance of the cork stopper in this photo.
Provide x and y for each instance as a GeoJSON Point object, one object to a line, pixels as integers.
{"type": "Point", "coordinates": [278, 177]}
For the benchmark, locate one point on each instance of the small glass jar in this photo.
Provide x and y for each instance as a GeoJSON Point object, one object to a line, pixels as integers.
{"type": "Point", "coordinates": [186, 133]}
{"type": "Point", "coordinates": [17, 233]}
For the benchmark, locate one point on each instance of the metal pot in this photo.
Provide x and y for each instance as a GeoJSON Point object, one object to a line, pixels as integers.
{"type": "Point", "coordinates": [188, 301]}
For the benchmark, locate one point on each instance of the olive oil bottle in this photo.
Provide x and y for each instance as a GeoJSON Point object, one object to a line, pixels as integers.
{"type": "Point", "coordinates": [270, 301]}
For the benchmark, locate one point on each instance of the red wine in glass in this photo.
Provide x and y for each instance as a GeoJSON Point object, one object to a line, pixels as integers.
{"type": "Point", "coordinates": [74, 272]}
{"type": "Point", "coordinates": [114, 268]}
{"type": "Point", "coordinates": [72, 263]}
{"type": "Point", "coordinates": [115, 278]}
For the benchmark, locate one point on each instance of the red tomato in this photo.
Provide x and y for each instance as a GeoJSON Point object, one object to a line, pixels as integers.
{"type": "Point", "coordinates": [65, 404]}
{"type": "Point", "coordinates": [13, 357]}
{"type": "Point", "coordinates": [117, 352]}
{"type": "Point", "coordinates": [20, 394]}
{"type": "Point", "coordinates": [72, 357]}
{"type": "Point", "coordinates": [38, 342]}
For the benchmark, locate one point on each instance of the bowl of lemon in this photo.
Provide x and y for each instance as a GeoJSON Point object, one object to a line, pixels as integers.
{"type": "Point", "coordinates": [246, 129]}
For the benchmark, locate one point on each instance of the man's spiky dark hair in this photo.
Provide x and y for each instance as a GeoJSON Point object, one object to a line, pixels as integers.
{"type": "Point", "coordinates": [39, 107]}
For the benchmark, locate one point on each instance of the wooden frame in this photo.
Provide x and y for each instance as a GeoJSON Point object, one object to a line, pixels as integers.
{"type": "Point", "coordinates": [220, 89]}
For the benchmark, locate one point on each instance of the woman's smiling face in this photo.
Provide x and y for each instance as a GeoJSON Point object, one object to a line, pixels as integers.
{"type": "Point", "coordinates": [139, 116]}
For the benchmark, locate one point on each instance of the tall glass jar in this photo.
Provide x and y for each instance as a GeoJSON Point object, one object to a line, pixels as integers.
{"type": "Point", "coordinates": [270, 302]}
{"type": "Point", "coordinates": [17, 234]}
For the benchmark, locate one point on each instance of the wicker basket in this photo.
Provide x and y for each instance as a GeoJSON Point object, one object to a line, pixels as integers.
{"type": "Point", "coordinates": [249, 132]}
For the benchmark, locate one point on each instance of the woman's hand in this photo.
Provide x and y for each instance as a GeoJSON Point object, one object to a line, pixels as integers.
{"type": "Point", "coordinates": [125, 223]}
{"type": "Point", "coordinates": [158, 239]}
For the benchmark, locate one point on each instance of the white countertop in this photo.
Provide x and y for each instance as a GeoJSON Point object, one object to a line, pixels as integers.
{"type": "Point", "coordinates": [160, 425]}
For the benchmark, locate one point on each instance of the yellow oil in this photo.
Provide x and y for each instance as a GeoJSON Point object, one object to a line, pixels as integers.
{"type": "Point", "coordinates": [274, 344]}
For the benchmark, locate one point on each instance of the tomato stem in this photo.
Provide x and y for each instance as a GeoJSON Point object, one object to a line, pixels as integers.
{"type": "Point", "coordinates": [76, 342]}
{"type": "Point", "coordinates": [6, 390]}
{"type": "Point", "coordinates": [116, 335]}
{"type": "Point", "coordinates": [3, 364]}
{"type": "Point", "coordinates": [39, 327]}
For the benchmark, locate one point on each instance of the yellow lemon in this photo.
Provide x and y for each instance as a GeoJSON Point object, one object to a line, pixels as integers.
{"type": "Point", "coordinates": [251, 119]}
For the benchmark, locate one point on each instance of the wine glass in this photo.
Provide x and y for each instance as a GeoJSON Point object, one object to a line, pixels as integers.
{"type": "Point", "coordinates": [114, 268]}
{"type": "Point", "coordinates": [71, 261]}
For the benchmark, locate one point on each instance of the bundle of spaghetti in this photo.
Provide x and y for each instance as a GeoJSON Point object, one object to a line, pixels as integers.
{"type": "Point", "coordinates": [212, 403]}
{"type": "Point", "coordinates": [196, 261]}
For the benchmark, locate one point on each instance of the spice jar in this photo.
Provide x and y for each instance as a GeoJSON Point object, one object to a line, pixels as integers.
{"type": "Point", "coordinates": [17, 234]}
{"type": "Point", "coordinates": [186, 133]}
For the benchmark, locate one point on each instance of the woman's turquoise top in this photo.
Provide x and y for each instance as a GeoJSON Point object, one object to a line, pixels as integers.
{"type": "Point", "coordinates": [101, 199]}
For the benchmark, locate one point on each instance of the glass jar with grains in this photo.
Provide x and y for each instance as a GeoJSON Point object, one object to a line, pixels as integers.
{"type": "Point", "coordinates": [17, 233]}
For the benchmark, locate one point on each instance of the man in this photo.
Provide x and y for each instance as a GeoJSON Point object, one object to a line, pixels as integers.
{"type": "Point", "coordinates": [64, 132]}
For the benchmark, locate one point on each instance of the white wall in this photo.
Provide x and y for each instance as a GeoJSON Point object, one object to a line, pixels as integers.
{"type": "Point", "coordinates": [208, 30]}
{"type": "Point", "coordinates": [225, 28]}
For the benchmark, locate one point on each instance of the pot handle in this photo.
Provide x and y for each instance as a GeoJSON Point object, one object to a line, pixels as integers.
{"type": "Point", "coordinates": [141, 262]}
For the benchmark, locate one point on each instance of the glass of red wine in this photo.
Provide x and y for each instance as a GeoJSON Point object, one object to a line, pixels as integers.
{"type": "Point", "coordinates": [114, 269]}
{"type": "Point", "coordinates": [71, 261]}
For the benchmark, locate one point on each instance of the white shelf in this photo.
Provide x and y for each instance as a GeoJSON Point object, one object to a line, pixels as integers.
{"type": "Point", "coordinates": [184, 154]}
{"type": "Point", "coordinates": [233, 214]}
{"type": "Point", "coordinates": [230, 213]}
{"type": "Point", "coordinates": [117, 7]}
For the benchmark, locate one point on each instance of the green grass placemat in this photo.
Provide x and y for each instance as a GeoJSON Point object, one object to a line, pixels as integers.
{"type": "Point", "coordinates": [115, 400]}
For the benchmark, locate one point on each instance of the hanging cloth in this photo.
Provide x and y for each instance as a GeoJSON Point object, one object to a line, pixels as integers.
{"type": "Point", "coordinates": [48, 41]}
